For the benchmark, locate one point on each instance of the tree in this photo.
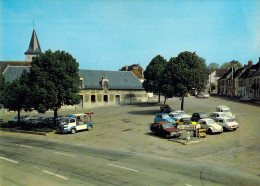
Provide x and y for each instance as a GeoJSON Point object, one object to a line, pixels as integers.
{"type": "Point", "coordinates": [213, 66]}
{"type": "Point", "coordinates": [153, 75]}
{"type": "Point", "coordinates": [15, 94]}
{"type": "Point", "coordinates": [54, 81]}
{"type": "Point", "coordinates": [2, 85]}
{"type": "Point", "coordinates": [185, 73]}
{"type": "Point", "coordinates": [230, 64]}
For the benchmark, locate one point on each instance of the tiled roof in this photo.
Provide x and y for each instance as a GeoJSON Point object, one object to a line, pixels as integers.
{"type": "Point", "coordinates": [249, 71]}
{"type": "Point", "coordinates": [117, 79]}
{"type": "Point", "coordinates": [13, 72]}
{"type": "Point", "coordinates": [237, 73]}
{"type": "Point", "coordinates": [34, 47]}
{"type": "Point", "coordinates": [220, 72]}
{"type": "Point", "coordinates": [226, 74]}
{"type": "Point", "coordinates": [257, 73]}
{"type": "Point", "coordinates": [5, 64]}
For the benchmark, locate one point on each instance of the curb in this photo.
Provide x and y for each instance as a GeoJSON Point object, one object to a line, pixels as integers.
{"type": "Point", "coordinates": [26, 132]}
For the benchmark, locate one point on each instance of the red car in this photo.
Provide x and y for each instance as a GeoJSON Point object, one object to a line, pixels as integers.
{"type": "Point", "coordinates": [165, 129]}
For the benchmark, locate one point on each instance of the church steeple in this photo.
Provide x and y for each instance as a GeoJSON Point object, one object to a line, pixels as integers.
{"type": "Point", "coordinates": [34, 48]}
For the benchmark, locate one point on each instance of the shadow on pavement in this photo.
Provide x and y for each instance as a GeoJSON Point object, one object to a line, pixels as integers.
{"type": "Point", "coordinates": [144, 112]}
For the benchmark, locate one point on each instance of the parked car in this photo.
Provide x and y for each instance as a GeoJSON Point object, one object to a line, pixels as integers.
{"type": "Point", "coordinates": [226, 110]}
{"type": "Point", "coordinates": [215, 115]}
{"type": "Point", "coordinates": [163, 117]}
{"type": "Point", "coordinates": [227, 123]}
{"type": "Point", "coordinates": [203, 95]}
{"type": "Point", "coordinates": [22, 118]}
{"type": "Point", "coordinates": [165, 108]}
{"type": "Point", "coordinates": [165, 129]}
{"type": "Point", "coordinates": [196, 116]}
{"type": "Point", "coordinates": [183, 113]}
{"type": "Point", "coordinates": [210, 125]}
{"type": "Point", "coordinates": [185, 121]}
{"type": "Point", "coordinates": [175, 116]}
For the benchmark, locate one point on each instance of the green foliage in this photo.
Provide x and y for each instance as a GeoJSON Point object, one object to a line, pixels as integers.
{"type": "Point", "coordinates": [15, 94]}
{"type": "Point", "coordinates": [230, 64]}
{"type": "Point", "coordinates": [213, 66]}
{"type": "Point", "coordinates": [54, 81]}
{"type": "Point", "coordinates": [153, 74]}
{"type": "Point", "coordinates": [2, 86]}
{"type": "Point", "coordinates": [185, 73]}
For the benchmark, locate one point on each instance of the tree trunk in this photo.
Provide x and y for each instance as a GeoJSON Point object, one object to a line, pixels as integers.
{"type": "Point", "coordinates": [55, 116]}
{"type": "Point", "coordinates": [159, 98]}
{"type": "Point", "coordinates": [182, 103]}
{"type": "Point", "coordinates": [19, 115]}
{"type": "Point", "coordinates": [165, 98]}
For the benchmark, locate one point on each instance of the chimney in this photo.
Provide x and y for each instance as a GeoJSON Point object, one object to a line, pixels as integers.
{"type": "Point", "coordinates": [250, 63]}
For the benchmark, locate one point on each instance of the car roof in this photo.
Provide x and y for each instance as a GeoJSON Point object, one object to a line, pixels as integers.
{"type": "Point", "coordinates": [222, 106]}
{"type": "Point", "coordinates": [206, 119]}
{"type": "Point", "coordinates": [217, 113]}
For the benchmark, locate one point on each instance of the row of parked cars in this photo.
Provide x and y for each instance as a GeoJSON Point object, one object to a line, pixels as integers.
{"type": "Point", "coordinates": [36, 121]}
{"type": "Point", "coordinates": [166, 123]}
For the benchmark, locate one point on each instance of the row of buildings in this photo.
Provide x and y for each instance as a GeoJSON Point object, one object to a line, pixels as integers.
{"type": "Point", "coordinates": [242, 83]}
{"type": "Point", "coordinates": [97, 87]}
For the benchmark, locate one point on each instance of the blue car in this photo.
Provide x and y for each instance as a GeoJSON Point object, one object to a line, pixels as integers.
{"type": "Point", "coordinates": [163, 117]}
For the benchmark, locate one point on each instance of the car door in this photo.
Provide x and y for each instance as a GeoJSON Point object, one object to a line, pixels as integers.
{"type": "Point", "coordinates": [204, 124]}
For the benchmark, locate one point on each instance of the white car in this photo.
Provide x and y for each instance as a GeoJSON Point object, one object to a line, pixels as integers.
{"type": "Point", "coordinates": [202, 95]}
{"type": "Point", "coordinates": [182, 113]}
{"type": "Point", "coordinates": [227, 123]}
{"type": "Point", "coordinates": [210, 125]}
{"type": "Point", "coordinates": [215, 115]}
{"type": "Point", "coordinates": [226, 110]}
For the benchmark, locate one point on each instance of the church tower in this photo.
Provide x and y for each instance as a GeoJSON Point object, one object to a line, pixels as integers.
{"type": "Point", "coordinates": [34, 48]}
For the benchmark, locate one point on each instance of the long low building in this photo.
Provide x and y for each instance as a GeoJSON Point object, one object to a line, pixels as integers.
{"type": "Point", "coordinates": [99, 87]}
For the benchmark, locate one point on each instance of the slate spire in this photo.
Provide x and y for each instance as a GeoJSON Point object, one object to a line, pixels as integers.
{"type": "Point", "coordinates": [34, 47]}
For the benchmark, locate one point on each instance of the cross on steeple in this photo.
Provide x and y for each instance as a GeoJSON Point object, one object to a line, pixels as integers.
{"type": "Point", "coordinates": [33, 24]}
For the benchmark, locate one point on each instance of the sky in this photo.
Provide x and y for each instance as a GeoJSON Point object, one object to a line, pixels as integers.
{"type": "Point", "coordinates": [110, 34]}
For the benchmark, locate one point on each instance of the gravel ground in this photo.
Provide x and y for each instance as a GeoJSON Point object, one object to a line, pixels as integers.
{"type": "Point", "coordinates": [126, 127]}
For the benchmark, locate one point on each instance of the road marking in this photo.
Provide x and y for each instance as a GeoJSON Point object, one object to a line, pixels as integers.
{"type": "Point", "coordinates": [26, 146]}
{"type": "Point", "coordinates": [123, 167]}
{"type": "Point", "coordinates": [188, 184]}
{"type": "Point", "coordinates": [8, 160]}
{"type": "Point", "coordinates": [65, 154]}
{"type": "Point", "coordinates": [57, 175]}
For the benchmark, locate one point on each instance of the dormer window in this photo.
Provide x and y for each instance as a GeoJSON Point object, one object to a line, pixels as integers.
{"type": "Point", "coordinates": [104, 82]}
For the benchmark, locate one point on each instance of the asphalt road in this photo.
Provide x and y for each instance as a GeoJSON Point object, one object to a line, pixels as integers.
{"type": "Point", "coordinates": [34, 162]}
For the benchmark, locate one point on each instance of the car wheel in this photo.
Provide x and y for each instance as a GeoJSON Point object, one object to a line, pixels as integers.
{"type": "Point", "coordinates": [168, 136]}
{"type": "Point", "coordinates": [73, 131]}
{"type": "Point", "coordinates": [89, 128]}
{"type": "Point", "coordinates": [224, 129]}
{"type": "Point", "coordinates": [210, 131]}
{"type": "Point", "coordinates": [234, 129]}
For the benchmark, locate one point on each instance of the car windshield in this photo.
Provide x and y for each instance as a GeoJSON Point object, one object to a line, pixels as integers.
{"type": "Point", "coordinates": [203, 115]}
{"type": "Point", "coordinates": [168, 125]}
{"type": "Point", "coordinates": [230, 120]}
{"type": "Point", "coordinates": [176, 115]}
{"type": "Point", "coordinates": [165, 116]}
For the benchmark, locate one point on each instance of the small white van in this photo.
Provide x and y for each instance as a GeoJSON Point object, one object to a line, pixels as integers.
{"type": "Point", "coordinates": [226, 110]}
